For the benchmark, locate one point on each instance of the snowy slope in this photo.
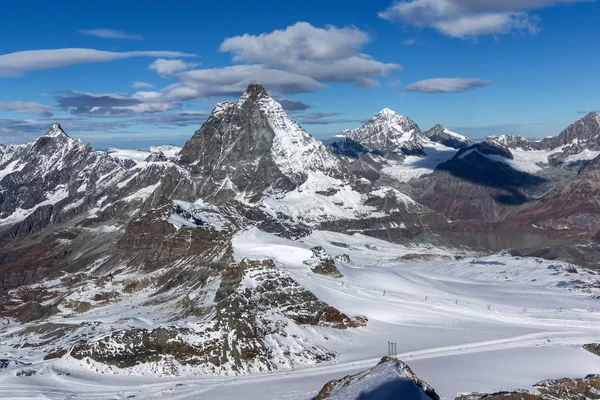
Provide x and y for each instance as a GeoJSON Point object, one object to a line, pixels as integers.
{"type": "Point", "coordinates": [459, 323]}
{"type": "Point", "coordinates": [415, 167]}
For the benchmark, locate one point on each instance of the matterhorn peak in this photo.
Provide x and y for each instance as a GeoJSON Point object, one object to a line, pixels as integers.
{"type": "Point", "coordinates": [55, 131]}
{"type": "Point", "coordinates": [255, 91]}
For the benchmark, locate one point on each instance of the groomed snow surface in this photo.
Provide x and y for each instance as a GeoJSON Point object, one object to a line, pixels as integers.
{"type": "Point", "coordinates": [473, 323]}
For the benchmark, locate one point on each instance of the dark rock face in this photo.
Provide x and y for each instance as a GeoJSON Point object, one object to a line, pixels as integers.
{"type": "Point", "coordinates": [473, 186]}
{"type": "Point", "coordinates": [219, 144]}
{"type": "Point", "coordinates": [440, 134]}
{"type": "Point", "coordinates": [572, 206]}
{"type": "Point", "coordinates": [593, 348]}
{"type": "Point", "coordinates": [585, 131]}
{"type": "Point", "coordinates": [152, 241]}
{"type": "Point", "coordinates": [347, 147]}
{"type": "Point", "coordinates": [250, 146]}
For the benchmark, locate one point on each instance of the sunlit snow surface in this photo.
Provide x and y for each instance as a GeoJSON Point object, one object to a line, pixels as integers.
{"type": "Point", "coordinates": [414, 166]}
{"type": "Point", "coordinates": [474, 324]}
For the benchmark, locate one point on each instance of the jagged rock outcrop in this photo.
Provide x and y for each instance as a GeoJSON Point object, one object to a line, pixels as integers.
{"type": "Point", "coordinates": [441, 135]}
{"type": "Point", "coordinates": [570, 389]}
{"type": "Point", "coordinates": [322, 263]}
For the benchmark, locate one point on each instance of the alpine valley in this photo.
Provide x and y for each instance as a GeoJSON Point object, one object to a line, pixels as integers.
{"type": "Point", "coordinates": [258, 262]}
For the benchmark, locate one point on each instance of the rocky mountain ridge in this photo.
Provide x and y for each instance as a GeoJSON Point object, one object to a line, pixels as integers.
{"type": "Point", "coordinates": [84, 230]}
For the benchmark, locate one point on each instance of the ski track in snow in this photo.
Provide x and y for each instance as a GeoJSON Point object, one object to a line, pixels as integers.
{"type": "Point", "coordinates": [533, 330]}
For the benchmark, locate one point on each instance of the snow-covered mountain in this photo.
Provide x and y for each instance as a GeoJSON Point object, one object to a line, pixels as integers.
{"type": "Point", "coordinates": [251, 145]}
{"type": "Point", "coordinates": [256, 248]}
{"type": "Point", "coordinates": [442, 135]}
{"type": "Point", "coordinates": [388, 132]}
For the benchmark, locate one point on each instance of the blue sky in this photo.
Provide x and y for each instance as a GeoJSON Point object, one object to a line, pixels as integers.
{"type": "Point", "coordinates": [479, 67]}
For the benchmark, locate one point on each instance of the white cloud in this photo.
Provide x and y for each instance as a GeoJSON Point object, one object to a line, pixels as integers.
{"type": "Point", "coordinates": [168, 67]}
{"type": "Point", "coordinates": [142, 85]}
{"type": "Point", "coordinates": [28, 108]}
{"type": "Point", "coordinates": [446, 85]}
{"type": "Point", "coordinates": [15, 64]}
{"type": "Point", "coordinates": [109, 34]}
{"type": "Point", "coordinates": [327, 54]}
{"type": "Point", "coordinates": [409, 42]}
{"type": "Point", "coordinates": [233, 80]}
{"type": "Point", "coordinates": [113, 104]}
{"type": "Point", "coordinates": [470, 18]}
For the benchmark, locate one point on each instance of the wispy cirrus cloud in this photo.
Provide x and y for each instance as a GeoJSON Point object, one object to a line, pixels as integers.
{"type": "Point", "coordinates": [112, 105]}
{"type": "Point", "coordinates": [471, 18]}
{"type": "Point", "coordinates": [141, 85]}
{"type": "Point", "coordinates": [325, 118]}
{"type": "Point", "coordinates": [446, 85]}
{"type": "Point", "coordinates": [293, 105]}
{"type": "Point", "coordinates": [109, 34]}
{"type": "Point", "coordinates": [15, 64]}
{"type": "Point", "coordinates": [166, 67]}
{"type": "Point", "coordinates": [27, 108]}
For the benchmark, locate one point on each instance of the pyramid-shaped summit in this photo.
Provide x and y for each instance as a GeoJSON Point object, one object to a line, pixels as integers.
{"type": "Point", "coordinates": [388, 132]}
{"type": "Point", "coordinates": [55, 131]}
{"type": "Point", "coordinates": [251, 145]}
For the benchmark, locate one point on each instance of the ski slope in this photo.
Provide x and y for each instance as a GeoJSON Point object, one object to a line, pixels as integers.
{"type": "Point", "coordinates": [463, 322]}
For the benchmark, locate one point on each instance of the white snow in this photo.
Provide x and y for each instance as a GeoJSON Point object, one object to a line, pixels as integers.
{"type": "Point", "coordinates": [456, 135]}
{"type": "Point", "coordinates": [585, 155]}
{"type": "Point", "coordinates": [139, 156]}
{"type": "Point", "coordinates": [415, 167]}
{"type": "Point", "coordinates": [473, 324]}
{"type": "Point", "coordinates": [13, 166]}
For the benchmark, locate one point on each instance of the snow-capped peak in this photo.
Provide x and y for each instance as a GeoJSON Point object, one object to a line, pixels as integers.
{"type": "Point", "coordinates": [443, 135]}
{"type": "Point", "coordinates": [388, 132]}
{"type": "Point", "coordinates": [387, 112]}
{"type": "Point", "coordinates": [294, 150]}
{"type": "Point", "coordinates": [56, 131]}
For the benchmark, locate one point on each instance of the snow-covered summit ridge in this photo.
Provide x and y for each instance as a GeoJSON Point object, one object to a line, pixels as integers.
{"type": "Point", "coordinates": [388, 132]}
{"type": "Point", "coordinates": [56, 131]}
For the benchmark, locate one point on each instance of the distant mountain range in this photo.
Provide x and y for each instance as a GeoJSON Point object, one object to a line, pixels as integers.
{"type": "Point", "coordinates": [164, 222]}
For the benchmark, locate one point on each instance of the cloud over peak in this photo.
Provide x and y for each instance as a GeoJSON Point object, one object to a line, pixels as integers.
{"type": "Point", "coordinates": [328, 54]}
